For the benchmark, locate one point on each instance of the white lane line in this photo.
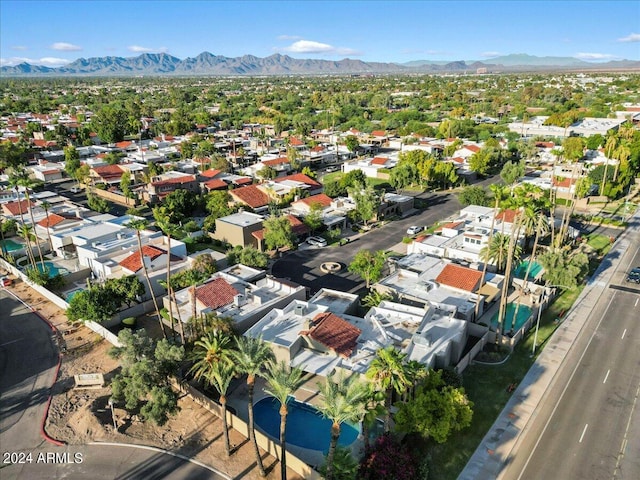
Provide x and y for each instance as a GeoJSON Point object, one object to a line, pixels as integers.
{"type": "Point", "coordinates": [9, 343]}
{"type": "Point", "coordinates": [623, 447]}
{"type": "Point", "coordinates": [606, 376]}
{"type": "Point", "coordinates": [623, 334]}
{"type": "Point", "coordinates": [583, 432]}
{"type": "Point", "coordinates": [636, 304]}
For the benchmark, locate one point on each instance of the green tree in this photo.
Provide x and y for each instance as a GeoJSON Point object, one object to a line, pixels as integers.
{"type": "Point", "coordinates": [96, 203]}
{"type": "Point", "coordinates": [352, 143]}
{"type": "Point", "coordinates": [388, 372]}
{"type": "Point", "coordinates": [277, 232]}
{"type": "Point", "coordinates": [404, 175]}
{"type": "Point", "coordinates": [251, 357]}
{"type": "Point", "coordinates": [343, 400]}
{"type": "Point", "coordinates": [249, 256]}
{"type": "Point", "coordinates": [375, 298]}
{"type": "Point", "coordinates": [473, 195]}
{"type": "Point", "coordinates": [282, 382]}
{"type": "Point", "coordinates": [480, 162]}
{"type": "Point", "coordinates": [313, 219]}
{"type": "Point", "coordinates": [110, 123]}
{"type": "Point", "coordinates": [71, 161]}
{"type": "Point", "coordinates": [209, 351]}
{"type": "Point", "coordinates": [437, 410]}
{"type": "Point", "coordinates": [221, 377]}
{"type": "Point", "coordinates": [367, 201]}
{"type": "Point", "coordinates": [496, 251]}
{"type": "Point", "coordinates": [267, 173]}
{"type": "Point", "coordinates": [368, 265]}
{"type": "Point", "coordinates": [125, 184]}
{"type": "Point", "coordinates": [563, 267]}
{"type": "Point", "coordinates": [512, 172]}
{"type": "Point", "coordinates": [126, 289]}
{"type": "Point", "coordinates": [144, 380]}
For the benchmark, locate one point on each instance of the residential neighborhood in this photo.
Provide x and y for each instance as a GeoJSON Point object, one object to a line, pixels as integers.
{"type": "Point", "coordinates": [377, 268]}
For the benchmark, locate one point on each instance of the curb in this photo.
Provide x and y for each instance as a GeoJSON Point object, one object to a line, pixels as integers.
{"type": "Point", "coordinates": [167, 452]}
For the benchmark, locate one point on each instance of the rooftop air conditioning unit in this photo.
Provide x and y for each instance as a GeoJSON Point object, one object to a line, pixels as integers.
{"type": "Point", "coordinates": [238, 300]}
{"type": "Point", "coordinates": [300, 310]}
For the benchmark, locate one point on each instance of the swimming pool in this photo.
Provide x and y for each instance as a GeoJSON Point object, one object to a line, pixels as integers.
{"type": "Point", "coordinates": [524, 312]}
{"type": "Point", "coordinates": [53, 270]}
{"type": "Point", "coordinates": [534, 272]}
{"type": "Point", "coordinates": [10, 245]}
{"type": "Point", "coordinates": [306, 427]}
{"type": "Point", "coordinates": [71, 294]}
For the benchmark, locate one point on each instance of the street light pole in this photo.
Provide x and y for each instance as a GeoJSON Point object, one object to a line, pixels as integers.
{"type": "Point", "coordinates": [113, 417]}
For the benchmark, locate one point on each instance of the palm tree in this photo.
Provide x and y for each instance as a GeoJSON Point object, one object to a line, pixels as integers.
{"type": "Point", "coordinates": [388, 372]}
{"type": "Point", "coordinates": [25, 181]}
{"type": "Point", "coordinates": [25, 232]}
{"type": "Point", "coordinates": [343, 400]}
{"type": "Point", "coordinates": [609, 148]}
{"type": "Point", "coordinates": [622, 153]}
{"type": "Point", "coordinates": [251, 357]}
{"type": "Point", "coordinates": [221, 376]}
{"type": "Point", "coordinates": [3, 248]}
{"type": "Point", "coordinates": [46, 206]}
{"type": "Point", "coordinates": [208, 352]}
{"type": "Point", "coordinates": [282, 382]}
{"type": "Point", "coordinates": [374, 404]}
{"type": "Point", "coordinates": [138, 225]}
{"type": "Point", "coordinates": [163, 222]}
{"type": "Point", "coordinates": [496, 251]}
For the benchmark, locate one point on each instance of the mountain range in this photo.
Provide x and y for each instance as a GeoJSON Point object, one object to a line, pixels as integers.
{"type": "Point", "coordinates": [206, 63]}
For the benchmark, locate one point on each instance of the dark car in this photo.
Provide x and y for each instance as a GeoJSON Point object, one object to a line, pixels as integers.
{"type": "Point", "coordinates": [634, 275]}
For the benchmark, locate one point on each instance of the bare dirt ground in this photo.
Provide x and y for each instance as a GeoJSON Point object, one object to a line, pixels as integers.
{"type": "Point", "coordinates": [79, 416]}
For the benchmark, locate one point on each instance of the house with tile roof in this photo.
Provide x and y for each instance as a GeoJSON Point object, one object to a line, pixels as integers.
{"type": "Point", "coordinates": [302, 182]}
{"type": "Point", "coordinates": [235, 298]}
{"type": "Point", "coordinates": [252, 196]}
{"type": "Point", "coordinates": [298, 228]}
{"type": "Point", "coordinates": [168, 182]}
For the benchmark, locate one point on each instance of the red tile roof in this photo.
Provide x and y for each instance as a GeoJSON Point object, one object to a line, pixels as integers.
{"type": "Point", "coordinates": [321, 198]}
{"type": "Point", "coordinates": [108, 171]}
{"type": "Point", "coordinates": [124, 144]}
{"type": "Point", "coordinates": [243, 181]}
{"type": "Point", "coordinates": [14, 208]}
{"type": "Point", "coordinates": [473, 148]}
{"type": "Point", "coordinates": [545, 144]}
{"type": "Point", "coordinates": [174, 180]}
{"type": "Point", "coordinates": [216, 184]}
{"type": "Point", "coordinates": [297, 227]}
{"type": "Point", "coordinates": [133, 262]}
{"type": "Point", "coordinates": [460, 277]}
{"type": "Point", "coordinates": [452, 225]}
{"type": "Point", "coordinates": [251, 195]}
{"type": "Point", "coordinates": [276, 161]}
{"type": "Point", "coordinates": [296, 142]}
{"type": "Point", "coordinates": [216, 293]}
{"type": "Point", "coordinates": [334, 333]}
{"type": "Point", "coordinates": [299, 177]}
{"type": "Point", "coordinates": [379, 161]}
{"type": "Point", "coordinates": [564, 182]}
{"type": "Point", "coordinates": [379, 133]}
{"type": "Point", "coordinates": [507, 215]}
{"type": "Point", "coordinates": [211, 173]}
{"type": "Point", "coordinates": [53, 220]}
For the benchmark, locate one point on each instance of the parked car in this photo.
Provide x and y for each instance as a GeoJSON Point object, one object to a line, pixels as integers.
{"type": "Point", "coordinates": [6, 281]}
{"type": "Point", "coordinates": [317, 241]}
{"type": "Point", "coordinates": [414, 229]}
{"type": "Point", "coordinates": [75, 189]}
{"type": "Point", "coordinates": [332, 168]}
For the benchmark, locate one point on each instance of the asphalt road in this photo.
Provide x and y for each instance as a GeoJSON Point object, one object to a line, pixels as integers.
{"type": "Point", "coordinates": [303, 266]}
{"type": "Point", "coordinates": [28, 360]}
{"type": "Point", "coordinates": [589, 425]}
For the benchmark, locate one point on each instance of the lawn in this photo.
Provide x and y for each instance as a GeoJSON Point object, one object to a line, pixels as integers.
{"type": "Point", "coordinates": [486, 387]}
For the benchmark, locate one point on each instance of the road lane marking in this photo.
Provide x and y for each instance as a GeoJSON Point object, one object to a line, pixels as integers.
{"type": "Point", "coordinates": [636, 304]}
{"type": "Point", "coordinates": [566, 386]}
{"type": "Point", "coordinates": [9, 343]}
{"type": "Point", "coordinates": [623, 334]}
{"type": "Point", "coordinates": [623, 447]}
{"type": "Point", "coordinates": [606, 376]}
{"type": "Point", "coordinates": [583, 432]}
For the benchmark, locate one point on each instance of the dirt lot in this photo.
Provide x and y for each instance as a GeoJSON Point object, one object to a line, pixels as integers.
{"type": "Point", "coordinates": [78, 416]}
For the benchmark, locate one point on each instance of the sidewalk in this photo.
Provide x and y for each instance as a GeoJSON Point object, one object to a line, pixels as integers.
{"type": "Point", "coordinates": [495, 450]}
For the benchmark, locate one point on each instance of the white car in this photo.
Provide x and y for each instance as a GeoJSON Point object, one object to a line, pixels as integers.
{"type": "Point", "coordinates": [412, 230]}
{"type": "Point", "coordinates": [317, 241]}
{"type": "Point", "coordinates": [332, 168]}
{"type": "Point", "coordinates": [75, 189]}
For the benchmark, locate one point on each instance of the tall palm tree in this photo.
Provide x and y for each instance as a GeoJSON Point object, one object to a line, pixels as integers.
{"type": "Point", "coordinates": [24, 231]}
{"type": "Point", "coordinates": [251, 357]}
{"type": "Point", "coordinates": [46, 206]}
{"type": "Point", "coordinates": [138, 225]}
{"type": "Point", "coordinates": [208, 352]}
{"type": "Point", "coordinates": [496, 251]}
{"type": "Point", "coordinates": [499, 192]}
{"type": "Point", "coordinates": [3, 248]}
{"type": "Point", "coordinates": [388, 372]}
{"type": "Point", "coordinates": [343, 400]}
{"type": "Point", "coordinates": [622, 153]}
{"type": "Point", "coordinates": [374, 404]}
{"type": "Point", "coordinates": [163, 222]}
{"type": "Point", "coordinates": [282, 382]}
{"type": "Point", "coordinates": [27, 183]}
{"type": "Point", "coordinates": [221, 377]}
{"type": "Point", "coordinates": [610, 146]}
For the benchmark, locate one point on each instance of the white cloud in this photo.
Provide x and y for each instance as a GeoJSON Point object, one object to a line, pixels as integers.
{"type": "Point", "coordinates": [309, 46]}
{"type": "Point", "coordinates": [19, 47]}
{"type": "Point", "coordinates": [490, 54]}
{"type": "Point", "coordinates": [594, 56]}
{"type": "Point", "coordinates": [45, 61]}
{"type": "Point", "coordinates": [289, 37]}
{"type": "Point", "coordinates": [139, 49]}
{"type": "Point", "coordinates": [634, 37]}
{"type": "Point", "coordinates": [65, 47]}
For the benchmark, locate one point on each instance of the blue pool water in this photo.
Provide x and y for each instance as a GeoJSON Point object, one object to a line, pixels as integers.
{"type": "Point", "coordinates": [524, 312]}
{"type": "Point", "coordinates": [53, 270]}
{"type": "Point", "coordinates": [72, 293]}
{"type": "Point", "coordinates": [534, 272]}
{"type": "Point", "coordinates": [10, 245]}
{"type": "Point", "coordinates": [306, 427]}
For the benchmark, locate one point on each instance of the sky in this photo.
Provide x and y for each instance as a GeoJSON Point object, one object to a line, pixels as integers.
{"type": "Point", "coordinates": [54, 32]}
